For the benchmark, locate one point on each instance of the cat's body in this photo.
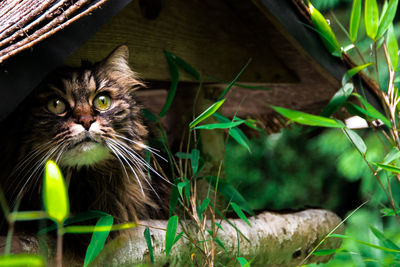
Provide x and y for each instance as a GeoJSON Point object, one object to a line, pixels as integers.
{"type": "Point", "coordinates": [87, 120]}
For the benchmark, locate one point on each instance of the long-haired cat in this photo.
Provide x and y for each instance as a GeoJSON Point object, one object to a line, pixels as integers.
{"type": "Point", "coordinates": [87, 120]}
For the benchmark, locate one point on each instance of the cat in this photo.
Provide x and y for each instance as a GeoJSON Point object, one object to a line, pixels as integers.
{"type": "Point", "coordinates": [87, 120]}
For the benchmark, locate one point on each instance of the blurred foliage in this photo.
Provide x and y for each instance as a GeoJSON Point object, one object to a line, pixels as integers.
{"type": "Point", "coordinates": [289, 170]}
{"type": "Point", "coordinates": [324, 5]}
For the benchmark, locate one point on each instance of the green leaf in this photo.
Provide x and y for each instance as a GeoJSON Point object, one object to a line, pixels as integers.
{"type": "Point", "coordinates": [171, 233]}
{"type": "Point", "coordinates": [230, 193]}
{"type": "Point", "coordinates": [371, 18]}
{"type": "Point", "coordinates": [55, 194]}
{"type": "Point", "coordinates": [307, 119]}
{"type": "Point", "coordinates": [219, 226]}
{"type": "Point", "coordinates": [338, 100]}
{"type": "Point", "coordinates": [365, 243]}
{"type": "Point", "coordinates": [149, 115]}
{"type": "Point", "coordinates": [19, 260]}
{"type": "Point", "coordinates": [27, 215]}
{"type": "Point", "coordinates": [389, 212]}
{"type": "Point", "coordinates": [240, 137]}
{"type": "Point", "coordinates": [243, 262]}
{"type": "Point", "coordinates": [98, 239]}
{"type": "Point", "coordinates": [194, 160]}
{"type": "Point", "coordinates": [182, 185]}
{"type": "Point", "coordinates": [239, 212]}
{"type": "Point", "coordinates": [185, 66]}
{"type": "Point", "coordinates": [174, 73]}
{"type": "Point", "coordinates": [372, 112]}
{"type": "Point", "coordinates": [88, 229]}
{"type": "Point", "coordinates": [387, 17]}
{"type": "Point", "coordinates": [356, 140]}
{"type": "Point", "coordinates": [384, 240]}
{"type": "Point", "coordinates": [226, 90]}
{"type": "Point", "coordinates": [222, 125]}
{"type": "Point", "coordinates": [387, 167]}
{"type": "Point", "coordinates": [356, 110]}
{"type": "Point", "coordinates": [353, 71]}
{"type": "Point", "coordinates": [324, 252]}
{"type": "Point", "coordinates": [207, 113]}
{"type": "Point", "coordinates": [147, 236]}
{"type": "Point", "coordinates": [203, 207]}
{"type": "Point", "coordinates": [393, 155]}
{"type": "Point", "coordinates": [392, 47]}
{"type": "Point", "coordinates": [355, 20]}
{"type": "Point", "coordinates": [174, 198]}
{"type": "Point", "coordinates": [219, 242]}
{"type": "Point", "coordinates": [324, 30]}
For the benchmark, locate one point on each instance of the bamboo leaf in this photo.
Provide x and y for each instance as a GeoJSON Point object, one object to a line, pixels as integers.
{"type": "Point", "coordinates": [88, 229]}
{"type": "Point", "coordinates": [387, 17]}
{"type": "Point", "coordinates": [307, 119]}
{"type": "Point", "coordinates": [183, 185]}
{"type": "Point", "coordinates": [353, 71]}
{"type": "Point", "coordinates": [389, 212]}
{"type": "Point", "coordinates": [393, 155]}
{"type": "Point", "coordinates": [219, 242]}
{"type": "Point", "coordinates": [240, 137]}
{"type": "Point", "coordinates": [387, 167]}
{"type": "Point", "coordinates": [324, 30]}
{"type": "Point", "coordinates": [18, 260]}
{"type": "Point", "coordinates": [55, 194]}
{"type": "Point", "coordinates": [174, 73]}
{"type": "Point", "coordinates": [384, 240]}
{"type": "Point", "coordinates": [365, 243]}
{"type": "Point", "coordinates": [392, 47]}
{"type": "Point", "coordinates": [194, 160]}
{"type": "Point", "coordinates": [147, 236]}
{"type": "Point", "coordinates": [222, 125]}
{"type": "Point", "coordinates": [355, 20]}
{"type": "Point", "coordinates": [356, 140]}
{"type": "Point", "coordinates": [98, 239]}
{"type": "Point", "coordinates": [371, 18]}
{"type": "Point", "coordinates": [207, 113]}
{"type": "Point", "coordinates": [203, 207]}
{"type": "Point", "coordinates": [174, 198]}
{"type": "Point", "coordinates": [27, 215]}
{"type": "Point", "coordinates": [240, 213]}
{"type": "Point", "coordinates": [230, 193]}
{"type": "Point", "coordinates": [338, 100]}
{"type": "Point", "coordinates": [226, 90]}
{"type": "Point", "coordinates": [149, 115]}
{"type": "Point", "coordinates": [324, 252]}
{"type": "Point", "coordinates": [185, 66]}
{"type": "Point", "coordinates": [372, 112]}
{"type": "Point", "coordinates": [172, 226]}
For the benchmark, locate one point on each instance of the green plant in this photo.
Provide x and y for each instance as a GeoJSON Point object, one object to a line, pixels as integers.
{"type": "Point", "coordinates": [379, 30]}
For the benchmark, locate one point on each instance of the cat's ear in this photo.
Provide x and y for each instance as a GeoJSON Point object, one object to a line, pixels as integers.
{"type": "Point", "coordinates": [116, 65]}
{"type": "Point", "coordinates": [118, 59]}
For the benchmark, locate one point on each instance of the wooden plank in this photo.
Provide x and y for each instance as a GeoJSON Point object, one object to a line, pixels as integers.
{"type": "Point", "coordinates": [207, 34]}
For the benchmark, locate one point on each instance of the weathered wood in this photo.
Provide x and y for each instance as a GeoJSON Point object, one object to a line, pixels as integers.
{"type": "Point", "coordinates": [207, 34]}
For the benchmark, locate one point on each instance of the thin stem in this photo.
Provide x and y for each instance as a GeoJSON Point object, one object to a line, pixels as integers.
{"type": "Point", "coordinates": [9, 237]}
{"type": "Point", "coordinates": [60, 233]}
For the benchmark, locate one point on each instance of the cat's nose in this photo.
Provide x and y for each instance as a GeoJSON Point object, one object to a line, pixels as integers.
{"type": "Point", "coordinates": [86, 121]}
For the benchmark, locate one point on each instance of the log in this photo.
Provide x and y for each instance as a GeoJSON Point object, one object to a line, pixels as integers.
{"type": "Point", "coordinates": [272, 240]}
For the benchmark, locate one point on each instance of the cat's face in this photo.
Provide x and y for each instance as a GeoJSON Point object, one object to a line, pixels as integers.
{"type": "Point", "coordinates": [85, 116]}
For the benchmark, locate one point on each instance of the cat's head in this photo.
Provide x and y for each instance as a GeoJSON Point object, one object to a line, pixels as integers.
{"type": "Point", "coordinates": [83, 116]}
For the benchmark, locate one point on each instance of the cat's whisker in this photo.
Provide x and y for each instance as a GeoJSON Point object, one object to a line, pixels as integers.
{"type": "Point", "coordinates": [134, 161]}
{"type": "Point", "coordinates": [146, 147]}
{"type": "Point", "coordinates": [24, 162]}
{"type": "Point", "coordinates": [118, 155]}
{"type": "Point", "coordinates": [136, 156]}
{"type": "Point", "coordinates": [37, 167]}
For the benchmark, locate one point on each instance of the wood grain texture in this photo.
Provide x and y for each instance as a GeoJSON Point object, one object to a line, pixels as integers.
{"type": "Point", "coordinates": [207, 34]}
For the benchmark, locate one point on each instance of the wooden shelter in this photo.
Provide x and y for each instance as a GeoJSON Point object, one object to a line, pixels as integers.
{"type": "Point", "coordinates": [215, 37]}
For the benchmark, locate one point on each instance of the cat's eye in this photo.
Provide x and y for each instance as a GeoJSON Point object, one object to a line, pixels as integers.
{"type": "Point", "coordinates": [102, 102]}
{"type": "Point", "coordinates": [56, 106]}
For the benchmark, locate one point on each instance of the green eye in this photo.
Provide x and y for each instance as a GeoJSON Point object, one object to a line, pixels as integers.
{"type": "Point", "coordinates": [102, 102]}
{"type": "Point", "coordinates": [56, 106]}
